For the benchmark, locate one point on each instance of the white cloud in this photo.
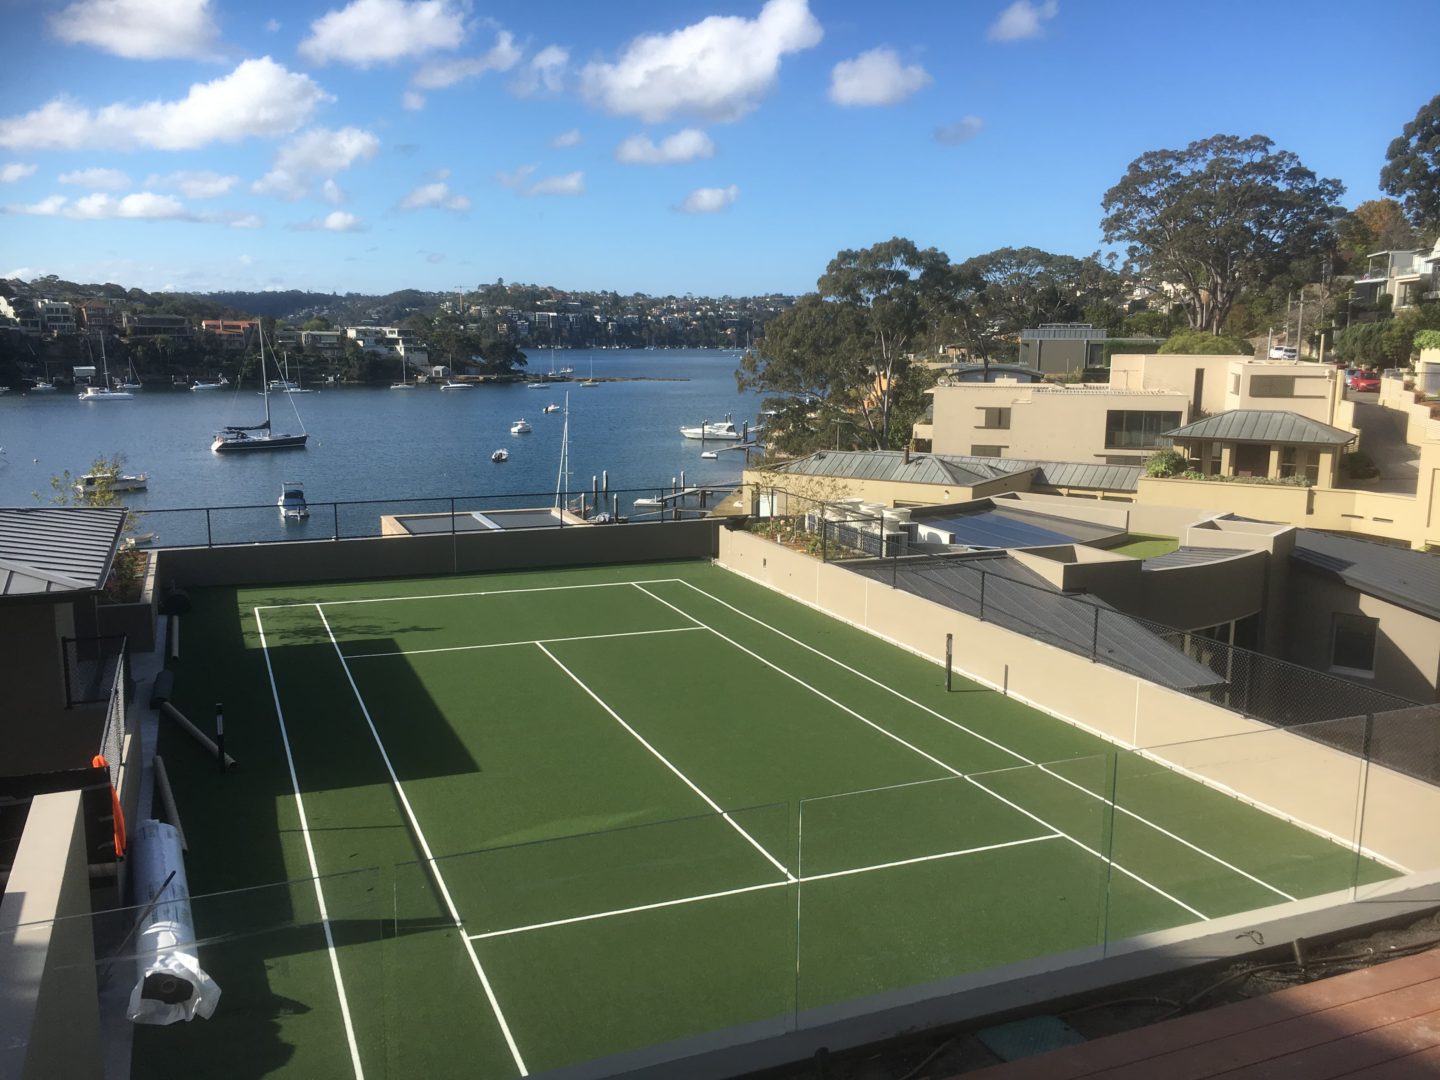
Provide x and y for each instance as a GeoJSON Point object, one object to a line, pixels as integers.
{"type": "Point", "coordinates": [21, 273]}
{"type": "Point", "coordinates": [141, 206]}
{"type": "Point", "coordinates": [412, 100]}
{"type": "Point", "coordinates": [566, 138]}
{"type": "Point", "coordinates": [545, 72]}
{"type": "Point", "coordinates": [719, 67]}
{"type": "Point", "coordinates": [313, 155]}
{"type": "Point", "coordinates": [335, 221]}
{"type": "Point", "coordinates": [246, 260]}
{"type": "Point", "coordinates": [1022, 20]}
{"type": "Point", "coordinates": [97, 179]}
{"type": "Point", "coordinates": [332, 193]}
{"type": "Point", "coordinates": [272, 25]}
{"type": "Point", "coordinates": [876, 77]}
{"type": "Point", "coordinates": [367, 32]}
{"type": "Point", "coordinates": [248, 221]}
{"type": "Point", "coordinates": [503, 56]}
{"type": "Point", "coordinates": [518, 180]}
{"type": "Point", "coordinates": [12, 171]}
{"type": "Point", "coordinates": [687, 145]}
{"type": "Point", "coordinates": [709, 200]}
{"type": "Point", "coordinates": [140, 29]}
{"type": "Point", "coordinates": [260, 98]}
{"type": "Point", "coordinates": [437, 195]}
{"type": "Point", "coordinates": [193, 184]}
{"type": "Point", "coordinates": [962, 131]}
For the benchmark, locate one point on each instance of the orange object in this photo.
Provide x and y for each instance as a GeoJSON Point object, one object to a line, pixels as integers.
{"type": "Point", "coordinates": [99, 762]}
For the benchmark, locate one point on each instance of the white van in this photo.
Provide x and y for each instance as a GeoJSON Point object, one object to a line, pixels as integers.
{"type": "Point", "coordinates": [1284, 352]}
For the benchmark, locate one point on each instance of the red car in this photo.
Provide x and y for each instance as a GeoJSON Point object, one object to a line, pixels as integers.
{"type": "Point", "coordinates": [1364, 382]}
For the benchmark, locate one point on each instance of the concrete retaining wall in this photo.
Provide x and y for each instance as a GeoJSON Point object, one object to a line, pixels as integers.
{"type": "Point", "coordinates": [1327, 791]}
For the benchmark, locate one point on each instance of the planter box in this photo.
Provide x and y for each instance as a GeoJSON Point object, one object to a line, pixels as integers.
{"type": "Point", "coordinates": [137, 620]}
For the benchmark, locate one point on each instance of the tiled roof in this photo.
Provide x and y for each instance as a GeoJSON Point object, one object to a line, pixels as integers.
{"type": "Point", "coordinates": [959, 469]}
{"type": "Point", "coordinates": [55, 549]}
{"type": "Point", "coordinates": [1263, 426]}
{"type": "Point", "coordinates": [1408, 579]}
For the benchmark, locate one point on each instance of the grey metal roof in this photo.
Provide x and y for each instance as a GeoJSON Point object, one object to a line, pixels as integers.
{"type": "Point", "coordinates": [1190, 556]}
{"type": "Point", "coordinates": [1263, 426]}
{"type": "Point", "coordinates": [1408, 579]}
{"type": "Point", "coordinates": [1020, 600]}
{"type": "Point", "coordinates": [959, 469]}
{"type": "Point", "coordinates": [56, 549]}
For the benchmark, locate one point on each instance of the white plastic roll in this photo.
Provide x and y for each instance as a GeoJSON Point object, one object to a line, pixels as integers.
{"type": "Point", "coordinates": [170, 984]}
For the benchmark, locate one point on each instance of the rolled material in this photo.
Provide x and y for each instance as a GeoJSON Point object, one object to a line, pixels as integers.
{"type": "Point", "coordinates": [167, 800]}
{"type": "Point", "coordinates": [166, 709]}
{"type": "Point", "coordinates": [170, 984]}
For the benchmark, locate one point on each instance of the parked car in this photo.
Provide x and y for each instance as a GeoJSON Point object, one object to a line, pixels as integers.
{"type": "Point", "coordinates": [1284, 352]}
{"type": "Point", "coordinates": [1364, 382]}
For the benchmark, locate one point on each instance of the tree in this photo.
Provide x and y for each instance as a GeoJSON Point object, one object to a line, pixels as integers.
{"type": "Point", "coordinates": [1221, 215]}
{"type": "Point", "coordinates": [1204, 343]}
{"type": "Point", "coordinates": [1412, 169]}
{"type": "Point", "coordinates": [129, 563]}
{"type": "Point", "coordinates": [843, 351]}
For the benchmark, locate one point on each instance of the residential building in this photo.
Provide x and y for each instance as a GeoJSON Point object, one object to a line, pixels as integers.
{"type": "Point", "coordinates": [145, 326]}
{"type": "Point", "coordinates": [1217, 384]}
{"type": "Point", "coordinates": [1069, 348]}
{"type": "Point", "coordinates": [56, 316]}
{"type": "Point", "coordinates": [97, 314]}
{"type": "Point", "coordinates": [22, 314]}
{"type": "Point", "coordinates": [326, 342]}
{"type": "Point", "coordinates": [1407, 277]}
{"type": "Point", "coordinates": [231, 334]}
{"type": "Point", "coordinates": [1263, 444]}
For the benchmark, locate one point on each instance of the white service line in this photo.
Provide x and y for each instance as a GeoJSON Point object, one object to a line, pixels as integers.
{"type": "Point", "coordinates": [310, 855]}
{"type": "Point", "coordinates": [668, 764]}
{"type": "Point", "coordinates": [999, 746]}
{"type": "Point", "coordinates": [802, 880]}
{"type": "Point", "coordinates": [927, 756]}
{"type": "Point", "coordinates": [454, 595]}
{"type": "Point", "coordinates": [429, 857]}
{"type": "Point", "coordinates": [530, 641]}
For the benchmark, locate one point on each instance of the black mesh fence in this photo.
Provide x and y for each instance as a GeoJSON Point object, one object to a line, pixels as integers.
{"type": "Point", "coordinates": [97, 670]}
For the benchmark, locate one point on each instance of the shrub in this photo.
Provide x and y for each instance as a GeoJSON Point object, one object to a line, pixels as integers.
{"type": "Point", "coordinates": [1163, 463]}
{"type": "Point", "coordinates": [1359, 465]}
{"type": "Point", "coordinates": [1204, 343]}
{"type": "Point", "coordinates": [1428, 339]}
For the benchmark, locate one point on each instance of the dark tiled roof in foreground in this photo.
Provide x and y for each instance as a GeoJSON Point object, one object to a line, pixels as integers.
{"type": "Point", "coordinates": [56, 549]}
{"type": "Point", "coordinates": [1408, 579]}
{"type": "Point", "coordinates": [959, 469]}
{"type": "Point", "coordinates": [1190, 556]}
{"type": "Point", "coordinates": [1263, 426]}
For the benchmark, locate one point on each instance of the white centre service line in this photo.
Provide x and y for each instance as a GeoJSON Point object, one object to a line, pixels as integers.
{"type": "Point", "coordinates": [802, 880]}
{"type": "Point", "coordinates": [668, 764]}
{"type": "Point", "coordinates": [528, 641]}
{"type": "Point", "coordinates": [999, 746]}
{"type": "Point", "coordinates": [310, 855]}
{"type": "Point", "coordinates": [429, 857]}
{"type": "Point", "coordinates": [929, 757]}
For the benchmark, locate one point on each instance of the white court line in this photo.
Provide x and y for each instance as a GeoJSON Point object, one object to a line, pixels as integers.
{"type": "Point", "coordinates": [804, 879]}
{"type": "Point", "coordinates": [999, 746]}
{"type": "Point", "coordinates": [310, 855]}
{"type": "Point", "coordinates": [454, 595]}
{"type": "Point", "coordinates": [666, 762]}
{"type": "Point", "coordinates": [510, 644]}
{"type": "Point", "coordinates": [429, 857]}
{"type": "Point", "coordinates": [929, 757]}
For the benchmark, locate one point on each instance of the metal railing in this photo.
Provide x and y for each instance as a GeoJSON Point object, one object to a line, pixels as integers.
{"type": "Point", "coordinates": [97, 669]}
{"type": "Point", "coordinates": [1260, 687]}
{"type": "Point", "coordinates": [218, 526]}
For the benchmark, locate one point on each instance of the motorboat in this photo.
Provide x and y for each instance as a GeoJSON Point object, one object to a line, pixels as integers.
{"type": "Point", "coordinates": [42, 386]}
{"type": "Point", "coordinates": [552, 407]}
{"type": "Point", "coordinates": [93, 482]}
{"type": "Point", "coordinates": [723, 429]}
{"type": "Point", "coordinates": [500, 455]}
{"type": "Point", "coordinates": [536, 385]}
{"type": "Point", "coordinates": [292, 501]}
{"type": "Point", "coordinates": [457, 386]}
{"type": "Point", "coordinates": [710, 455]}
{"type": "Point", "coordinates": [139, 540]}
{"type": "Point", "coordinates": [200, 386]}
{"type": "Point", "coordinates": [235, 438]}
{"type": "Point", "coordinates": [520, 427]}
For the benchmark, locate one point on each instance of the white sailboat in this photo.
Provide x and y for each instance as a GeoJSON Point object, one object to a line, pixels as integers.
{"type": "Point", "coordinates": [132, 380]}
{"type": "Point", "coordinates": [590, 380]}
{"type": "Point", "coordinates": [404, 383]}
{"type": "Point", "coordinates": [103, 392]}
{"type": "Point", "coordinates": [235, 438]}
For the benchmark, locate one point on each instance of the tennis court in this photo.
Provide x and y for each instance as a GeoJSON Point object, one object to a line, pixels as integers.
{"type": "Point", "coordinates": [556, 817]}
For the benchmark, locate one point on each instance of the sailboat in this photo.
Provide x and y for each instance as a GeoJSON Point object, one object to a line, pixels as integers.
{"type": "Point", "coordinates": [132, 380]}
{"type": "Point", "coordinates": [103, 391]}
{"type": "Point", "coordinates": [404, 383]}
{"type": "Point", "coordinates": [298, 386]}
{"type": "Point", "coordinates": [235, 438]}
{"type": "Point", "coordinates": [590, 380]}
{"type": "Point", "coordinates": [43, 386]}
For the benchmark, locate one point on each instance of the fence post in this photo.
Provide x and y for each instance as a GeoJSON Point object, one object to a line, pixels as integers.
{"type": "Point", "coordinates": [824, 539]}
{"type": "Point", "coordinates": [65, 662]}
{"type": "Point", "coordinates": [209, 536]}
{"type": "Point", "coordinates": [949, 667]}
{"type": "Point", "coordinates": [983, 576]}
{"type": "Point", "coordinates": [1095, 636]}
{"type": "Point", "coordinates": [335, 510]}
{"type": "Point", "coordinates": [894, 565]}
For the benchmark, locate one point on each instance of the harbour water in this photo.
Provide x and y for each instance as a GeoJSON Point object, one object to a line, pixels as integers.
{"type": "Point", "coordinates": [377, 443]}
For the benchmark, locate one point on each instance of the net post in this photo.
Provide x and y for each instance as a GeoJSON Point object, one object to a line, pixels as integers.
{"type": "Point", "coordinates": [220, 736]}
{"type": "Point", "coordinates": [335, 512]}
{"type": "Point", "coordinates": [1095, 636]}
{"type": "Point", "coordinates": [209, 536]}
{"type": "Point", "coordinates": [949, 666]}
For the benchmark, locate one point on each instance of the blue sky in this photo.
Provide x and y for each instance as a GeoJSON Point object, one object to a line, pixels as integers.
{"type": "Point", "coordinates": [705, 146]}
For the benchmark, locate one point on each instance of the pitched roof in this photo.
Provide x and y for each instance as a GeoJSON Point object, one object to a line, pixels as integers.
{"type": "Point", "coordinates": [1263, 426]}
{"type": "Point", "coordinates": [958, 469]}
{"type": "Point", "coordinates": [1408, 579]}
{"type": "Point", "coordinates": [57, 549]}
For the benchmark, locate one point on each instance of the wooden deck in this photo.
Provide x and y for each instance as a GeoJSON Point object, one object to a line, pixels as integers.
{"type": "Point", "coordinates": [1382, 1023]}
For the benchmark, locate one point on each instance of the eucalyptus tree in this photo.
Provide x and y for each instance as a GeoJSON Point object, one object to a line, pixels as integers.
{"type": "Point", "coordinates": [1223, 215]}
{"type": "Point", "coordinates": [1412, 169]}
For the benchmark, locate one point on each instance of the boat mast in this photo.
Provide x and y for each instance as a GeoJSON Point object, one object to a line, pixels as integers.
{"type": "Point", "coordinates": [264, 382]}
{"type": "Point", "coordinates": [562, 479]}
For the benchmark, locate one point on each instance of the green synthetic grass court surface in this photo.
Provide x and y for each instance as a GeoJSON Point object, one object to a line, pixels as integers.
{"type": "Point", "coordinates": [563, 745]}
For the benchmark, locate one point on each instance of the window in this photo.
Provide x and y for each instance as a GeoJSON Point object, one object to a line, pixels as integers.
{"type": "Point", "coordinates": [1129, 429]}
{"type": "Point", "coordinates": [1272, 386]}
{"type": "Point", "coordinates": [986, 450]}
{"type": "Point", "coordinates": [994, 418]}
{"type": "Point", "coordinates": [1352, 644]}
